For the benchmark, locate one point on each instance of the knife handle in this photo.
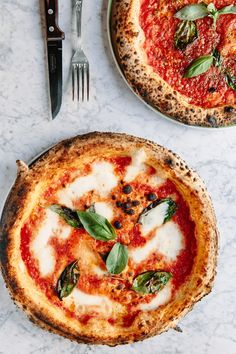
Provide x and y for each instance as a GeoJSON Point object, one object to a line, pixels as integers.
{"type": "Point", "coordinates": [53, 30]}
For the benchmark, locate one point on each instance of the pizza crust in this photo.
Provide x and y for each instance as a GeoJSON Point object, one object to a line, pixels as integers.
{"type": "Point", "coordinates": [128, 38]}
{"type": "Point", "coordinates": [23, 197]}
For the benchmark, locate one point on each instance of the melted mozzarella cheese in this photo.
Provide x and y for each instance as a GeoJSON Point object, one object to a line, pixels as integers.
{"type": "Point", "coordinates": [154, 218]}
{"type": "Point", "coordinates": [42, 250]}
{"type": "Point", "coordinates": [104, 209]}
{"type": "Point", "coordinates": [160, 299]}
{"type": "Point", "coordinates": [168, 241]}
{"type": "Point", "coordinates": [102, 179]}
{"type": "Point", "coordinates": [137, 166]}
{"type": "Point", "coordinates": [156, 181]}
{"type": "Point", "coordinates": [85, 302]}
{"type": "Point", "coordinates": [98, 270]}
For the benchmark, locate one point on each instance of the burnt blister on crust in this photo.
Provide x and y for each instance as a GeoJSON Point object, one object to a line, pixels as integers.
{"type": "Point", "coordinates": [147, 84]}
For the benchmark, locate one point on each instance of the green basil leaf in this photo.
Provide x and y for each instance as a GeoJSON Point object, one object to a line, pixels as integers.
{"type": "Point", "coordinates": [231, 9]}
{"type": "Point", "coordinates": [192, 12]}
{"type": "Point", "coordinates": [185, 34]}
{"type": "Point", "coordinates": [199, 66]}
{"type": "Point", "coordinates": [217, 58]}
{"type": "Point", "coordinates": [97, 226]}
{"type": "Point", "coordinates": [172, 207]}
{"type": "Point", "coordinates": [68, 280]}
{"type": "Point", "coordinates": [151, 282]}
{"type": "Point", "coordinates": [212, 9]}
{"type": "Point", "coordinates": [70, 216]}
{"type": "Point", "coordinates": [117, 259]}
{"type": "Point", "coordinates": [149, 214]}
{"type": "Point", "coordinates": [230, 80]}
{"type": "Point", "coordinates": [213, 13]}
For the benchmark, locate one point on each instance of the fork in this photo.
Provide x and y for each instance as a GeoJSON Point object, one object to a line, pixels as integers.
{"type": "Point", "coordinates": [80, 64]}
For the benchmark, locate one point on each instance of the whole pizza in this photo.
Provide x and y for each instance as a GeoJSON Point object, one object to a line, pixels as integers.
{"type": "Point", "coordinates": [180, 56]}
{"type": "Point", "coordinates": [108, 238]}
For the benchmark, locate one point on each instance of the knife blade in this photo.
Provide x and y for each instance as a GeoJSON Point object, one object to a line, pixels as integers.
{"type": "Point", "coordinates": [54, 53]}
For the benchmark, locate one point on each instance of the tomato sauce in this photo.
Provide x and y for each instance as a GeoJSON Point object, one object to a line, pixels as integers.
{"type": "Point", "coordinates": [129, 319]}
{"type": "Point", "coordinates": [121, 163]}
{"type": "Point", "coordinates": [136, 239]}
{"type": "Point", "coordinates": [159, 25]}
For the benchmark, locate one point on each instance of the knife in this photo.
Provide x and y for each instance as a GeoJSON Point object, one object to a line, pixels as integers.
{"type": "Point", "coordinates": [54, 51]}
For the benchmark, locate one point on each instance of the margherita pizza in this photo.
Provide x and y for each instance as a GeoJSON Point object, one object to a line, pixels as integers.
{"type": "Point", "coordinates": [180, 56]}
{"type": "Point", "coordinates": [108, 238]}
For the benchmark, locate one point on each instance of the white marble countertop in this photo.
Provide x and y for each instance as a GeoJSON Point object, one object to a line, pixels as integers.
{"type": "Point", "coordinates": [25, 130]}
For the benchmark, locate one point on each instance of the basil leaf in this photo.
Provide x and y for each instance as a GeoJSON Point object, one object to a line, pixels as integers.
{"type": "Point", "coordinates": [70, 216]}
{"type": "Point", "coordinates": [151, 282]}
{"type": "Point", "coordinates": [230, 80]}
{"type": "Point", "coordinates": [192, 12]}
{"type": "Point", "coordinates": [149, 216]}
{"type": "Point", "coordinates": [185, 34]}
{"type": "Point", "coordinates": [213, 13]}
{"type": "Point", "coordinates": [117, 259]}
{"type": "Point", "coordinates": [211, 8]}
{"type": "Point", "coordinates": [199, 66]}
{"type": "Point", "coordinates": [196, 11]}
{"type": "Point", "coordinates": [68, 280]}
{"type": "Point", "coordinates": [217, 58]}
{"type": "Point", "coordinates": [172, 207]}
{"type": "Point", "coordinates": [97, 226]}
{"type": "Point", "coordinates": [231, 9]}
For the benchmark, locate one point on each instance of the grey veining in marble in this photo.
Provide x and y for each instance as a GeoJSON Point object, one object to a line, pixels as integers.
{"type": "Point", "coordinates": [25, 131]}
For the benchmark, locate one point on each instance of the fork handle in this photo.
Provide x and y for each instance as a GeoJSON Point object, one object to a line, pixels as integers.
{"type": "Point", "coordinates": [51, 13]}
{"type": "Point", "coordinates": [78, 9]}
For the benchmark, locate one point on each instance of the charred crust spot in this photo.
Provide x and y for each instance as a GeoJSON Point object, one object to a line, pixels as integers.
{"type": "Point", "coordinates": [14, 285]}
{"type": "Point", "coordinates": [126, 57]}
{"type": "Point", "coordinates": [212, 120]}
{"type": "Point", "coordinates": [169, 96]}
{"type": "Point", "coordinates": [3, 246]}
{"type": "Point", "coordinates": [229, 109]}
{"type": "Point", "coordinates": [21, 191]}
{"type": "Point", "coordinates": [211, 89]}
{"type": "Point", "coordinates": [169, 162]}
{"type": "Point", "coordinates": [167, 106]}
{"type": "Point", "coordinates": [67, 144]}
{"type": "Point", "coordinates": [14, 208]}
{"type": "Point", "coordinates": [141, 90]}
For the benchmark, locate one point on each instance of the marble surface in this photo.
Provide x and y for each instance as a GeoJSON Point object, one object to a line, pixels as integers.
{"type": "Point", "coordinates": [25, 130]}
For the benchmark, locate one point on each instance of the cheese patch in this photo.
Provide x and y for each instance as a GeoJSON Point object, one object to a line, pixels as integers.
{"type": "Point", "coordinates": [43, 252]}
{"type": "Point", "coordinates": [167, 241]}
{"type": "Point", "coordinates": [161, 298]}
{"type": "Point", "coordinates": [102, 179]}
{"type": "Point", "coordinates": [137, 166]}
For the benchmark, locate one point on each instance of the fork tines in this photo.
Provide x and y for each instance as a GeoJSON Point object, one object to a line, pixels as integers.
{"type": "Point", "coordinates": [80, 76]}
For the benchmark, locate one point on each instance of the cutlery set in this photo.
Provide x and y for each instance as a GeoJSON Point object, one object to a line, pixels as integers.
{"type": "Point", "coordinates": [79, 63]}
